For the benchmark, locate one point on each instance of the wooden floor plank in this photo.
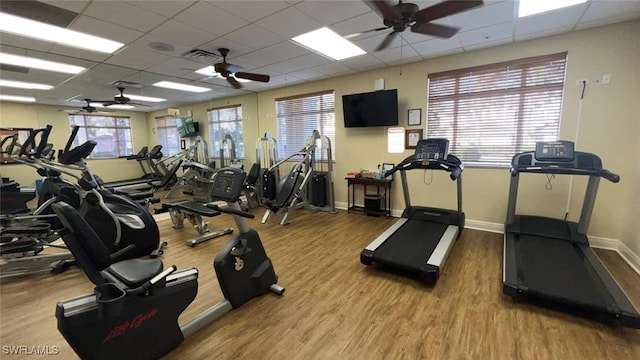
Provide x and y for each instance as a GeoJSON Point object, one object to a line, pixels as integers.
{"type": "Point", "coordinates": [336, 308]}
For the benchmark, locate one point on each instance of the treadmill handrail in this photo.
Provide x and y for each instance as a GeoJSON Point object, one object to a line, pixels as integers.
{"type": "Point", "coordinates": [566, 171]}
{"type": "Point", "coordinates": [452, 164]}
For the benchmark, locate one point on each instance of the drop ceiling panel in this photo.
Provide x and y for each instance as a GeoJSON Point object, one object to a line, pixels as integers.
{"type": "Point", "coordinates": [484, 16]}
{"type": "Point", "coordinates": [487, 34]}
{"type": "Point", "coordinates": [137, 58]}
{"type": "Point", "coordinates": [397, 55]}
{"type": "Point", "coordinates": [435, 46]}
{"type": "Point", "coordinates": [175, 67]}
{"type": "Point", "coordinates": [210, 19]}
{"type": "Point", "coordinates": [543, 33]}
{"type": "Point", "coordinates": [251, 10]}
{"type": "Point", "coordinates": [162, 7]}
{"type": "Point", "coordinates": [605, 9]}
{"type": "Point", "coordinates": [325, 11]}
{"type": "Point", "coordinates": [123, 14]}
{"type": "Point", "coordinates": [183, 33]}
{"type": "Point", "coordinates": [72, 5]}
{"type": "Point", "coordinates": [333, 69]}
{"type": "Point", "coordinates": [363, 62]}
{"type": "Point", "coordinates": [78, 53]}
{"type": "Point", "coordinates": [105, 29]}
{"type": "Point", "coordinates": [286, 50]}
{"type": "Point", "coordinates": [236, 49]}
{"type": "Point", "coordinates": [289, 23]}
{"type": "Point", "coordinates": [255, 37]}
{"type": "Point", "coordinates": [307, 74]}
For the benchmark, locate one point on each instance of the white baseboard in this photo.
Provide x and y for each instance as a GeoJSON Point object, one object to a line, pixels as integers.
{"type": "Point", "coordinates": [618, 246]}
{"type": "Point", "coordinates": [484, 226]}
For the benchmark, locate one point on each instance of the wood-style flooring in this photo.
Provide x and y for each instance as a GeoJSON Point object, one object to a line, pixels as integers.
{"type": "Point", "coordinates": [336, 308]}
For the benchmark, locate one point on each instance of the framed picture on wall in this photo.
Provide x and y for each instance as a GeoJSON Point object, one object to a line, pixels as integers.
{"type": "Point", "coordinates": [415, 117]}
{"type": "Point", "coordinates": [412, 138]}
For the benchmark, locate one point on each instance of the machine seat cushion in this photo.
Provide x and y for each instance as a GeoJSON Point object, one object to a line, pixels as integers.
{"type": "Point", "coordinates": [196, 207]}
{"type": "Point", "coordinates": [135, 272]}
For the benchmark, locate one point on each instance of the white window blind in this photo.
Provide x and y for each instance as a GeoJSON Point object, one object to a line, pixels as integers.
{"type": "Point", "coordinates": [491, 112]}
{"type": "Point", "coordinates": [225, 121]}
{"type": "Point", "coordinates": [297, 117]}
{"type": "Point", "coordinates": [168, 135]}
{"type": "Point", "coordinates": [112, 135]}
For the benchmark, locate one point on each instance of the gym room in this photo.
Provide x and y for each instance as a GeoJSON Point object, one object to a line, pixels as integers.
{"type": "Point", "coordinates": [288, 166]}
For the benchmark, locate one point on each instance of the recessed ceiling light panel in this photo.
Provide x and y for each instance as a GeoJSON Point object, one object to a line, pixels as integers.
{"type": "Point", "coordinates": [41, 31]}
{"type": "Point", "coordinates": [178, 86]}
{"type": "Point", "coordinates": [5, 97]}
{"type": "Point", "coordinates": [25, 85]}
{"type": "Point", "coordinates": [30, 62]}
{"type": "Point", "coordinates": [328, 43]}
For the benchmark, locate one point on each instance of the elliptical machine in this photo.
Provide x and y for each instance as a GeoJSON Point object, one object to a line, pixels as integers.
{"type": "Point", "coordinates": [135, 307]}
{"type": "Point", "coordinates": [118, 220]}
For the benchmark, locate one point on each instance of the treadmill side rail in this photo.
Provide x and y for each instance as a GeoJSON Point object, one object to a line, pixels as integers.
{"type": "Point", "coordinates": [441, 252]}
{"type": "Point", "coordinates": [375, 244]}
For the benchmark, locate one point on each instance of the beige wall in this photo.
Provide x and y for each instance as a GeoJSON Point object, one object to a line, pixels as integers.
{"type": "Point", "coordinates": [39, 116]}
{"type": "Point", "coordinates": [608, 127]}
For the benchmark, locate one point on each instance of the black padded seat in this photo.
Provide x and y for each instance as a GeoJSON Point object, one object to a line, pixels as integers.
{"type": "Point", "coordinates": [285, 191]}
{"type": "Point", "coordinates": [195, 207]}
{"type": "Point", "coordinates": [135, 272]}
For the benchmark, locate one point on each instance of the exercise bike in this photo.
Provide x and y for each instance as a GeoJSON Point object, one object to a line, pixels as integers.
{"type": "Point", "coordinates": [134, 311]}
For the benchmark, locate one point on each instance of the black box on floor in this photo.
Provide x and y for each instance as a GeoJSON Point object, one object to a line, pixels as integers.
{"type": "Point", "coordinates": [372, 202]}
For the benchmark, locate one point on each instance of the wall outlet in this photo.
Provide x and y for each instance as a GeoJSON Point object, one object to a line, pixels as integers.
{"type": "Point", "coordinates": [579, 81]}
{"type": "Point", "coordinates": [606, 79]}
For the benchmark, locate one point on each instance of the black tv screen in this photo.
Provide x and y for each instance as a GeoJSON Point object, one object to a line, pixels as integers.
{"type": "Point", "coordinates": [377, 108]}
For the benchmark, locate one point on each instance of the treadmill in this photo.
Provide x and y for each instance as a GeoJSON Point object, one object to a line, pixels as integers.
{"type": "Point", "coordinates": [549, 261]}
{"type": "Point", "coordinates": [421, 240]}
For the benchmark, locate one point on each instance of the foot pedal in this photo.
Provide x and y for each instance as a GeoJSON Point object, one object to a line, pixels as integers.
{"type": "Point", "coordinates": [209, 236]}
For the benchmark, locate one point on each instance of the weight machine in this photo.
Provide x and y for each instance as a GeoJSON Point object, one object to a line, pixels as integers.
{"type": "Point", "coordinates": [305, 186]}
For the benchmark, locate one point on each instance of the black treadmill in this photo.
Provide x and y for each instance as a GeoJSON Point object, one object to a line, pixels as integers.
{"type": "Point", "coordinates": [549, 260]}
{"type": "Point", "coordinates": [421, 240]}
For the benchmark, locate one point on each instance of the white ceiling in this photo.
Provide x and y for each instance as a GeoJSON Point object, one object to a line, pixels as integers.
{"type": "Point", "coordinates": [258, 34]}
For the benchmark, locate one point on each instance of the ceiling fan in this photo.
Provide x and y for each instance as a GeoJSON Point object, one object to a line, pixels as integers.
{"type": "Point", "coordinates": [118, 99]}
{"type": "Point", "coordinates": [401, 16]}
{"type": "Point", "coordinates": [87, 109]}
{"type": "Point", "coordinates": [231, 72]}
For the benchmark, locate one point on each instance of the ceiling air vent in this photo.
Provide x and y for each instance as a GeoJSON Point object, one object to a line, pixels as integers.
{"type": "Point", "coordinates": [201, 56]}
{"type": "Point", "coordinates": [127, 84]}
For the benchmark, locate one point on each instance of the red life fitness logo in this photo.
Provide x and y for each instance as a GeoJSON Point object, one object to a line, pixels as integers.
{"type": "Point", "coordinates": [136, 322]}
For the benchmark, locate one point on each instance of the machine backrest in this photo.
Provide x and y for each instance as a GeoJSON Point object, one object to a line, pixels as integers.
{"type": "Point", "coordinates": [89, 251]}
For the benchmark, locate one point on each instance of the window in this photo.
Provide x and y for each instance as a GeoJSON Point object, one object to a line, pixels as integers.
{"type": "Point", "coordinates": [489, 113]}
{"type": "Point", "coordinates": [168, 135]}
{"type": "Point", "coordinates": [298, 116]}
{"type": "Point", "coordinates": [225, 121]}
{"type": "Point", "coordinates": [113, 135]}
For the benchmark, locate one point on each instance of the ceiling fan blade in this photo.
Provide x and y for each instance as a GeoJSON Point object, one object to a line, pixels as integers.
{"type": "Point", "coordinates": [254, 77]}
{"type": "Point", "coordinates": [234, 82]}
{"type": "Point", "coordinates": [387, 10]}
{"type": "Point", "coordinates": [365, 32]}
{"type": "Point", "coordinates": [387, 40]}
{"type": "Point", "coordinates": [442, 31]}
{"type": "Point", "coordinates": [445, 8]}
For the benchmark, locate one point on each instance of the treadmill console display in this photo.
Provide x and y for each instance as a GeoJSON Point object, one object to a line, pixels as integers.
{"type": "Point", "coordinates": [554, 151]}
{"type": "Point", "coordinates": [432, 149]}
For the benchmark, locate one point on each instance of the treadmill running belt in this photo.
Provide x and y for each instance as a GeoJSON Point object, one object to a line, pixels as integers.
{"type": "Point", "coordinates": [411, 245]}
{"type": "Point", "coordinates": [556, 269]}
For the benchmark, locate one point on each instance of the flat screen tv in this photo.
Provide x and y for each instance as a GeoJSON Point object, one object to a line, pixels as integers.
{"type": "Point", "coordinates": [186, 126]}
{"type": "Point", "coordinates": [377, 108]}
